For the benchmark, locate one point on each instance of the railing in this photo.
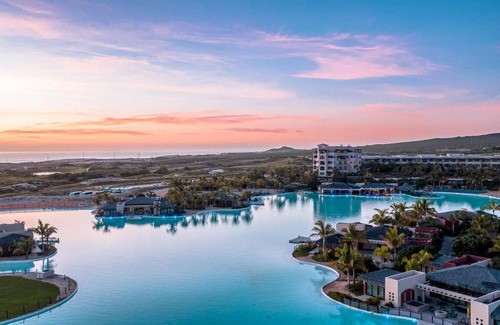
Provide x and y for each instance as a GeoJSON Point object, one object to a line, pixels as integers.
{"type": "Point", "coordinates": [19, 309]}
{"type": "Point", "coordinates": [427, 317]}
{"type": "Point", "coordinates": [39, 205]}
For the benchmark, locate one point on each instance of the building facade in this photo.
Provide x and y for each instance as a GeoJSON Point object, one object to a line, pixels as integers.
{"type": "Point", "coordinates": [345, 159]}
{"type": "Point", "coordinates": [444, 160]}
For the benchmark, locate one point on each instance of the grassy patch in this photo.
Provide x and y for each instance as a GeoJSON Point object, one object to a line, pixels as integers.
{"type": "Point", "coordinates": [17, 292]}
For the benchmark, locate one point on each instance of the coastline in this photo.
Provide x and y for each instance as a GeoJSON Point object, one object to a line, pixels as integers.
{"type": "Point", "coordinates": [329, 287]}
{"type": "Point", "coordinates": [57, 280]}
{"type": "Point", "coordinates": [6, 260]}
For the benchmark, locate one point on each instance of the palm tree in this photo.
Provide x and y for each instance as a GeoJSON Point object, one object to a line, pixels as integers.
{"type": "Point", "coordinates": [24, 245]}
{"type": "Point", "coordinates": [453, 218]}
{"type": "Point", "coordinates": [383, 253]}
{"type": "Point", "coordinates": [493, 206]}
{"type": "Point", "coordinates": [322, 230]}
{"type": "Point", "coordinates": [353, 235]}
{"type": "Point", "coordinates": [400, 217]}
{"type": "Point", "coordinates": [393, 240]}
{"type": "Point", "coordinates": [246, 196]}
{"type": "Point", "coordinates": [150, 194]}
{"type": "Point", "coordinates": [496, 245]}
{"type": "Point", "coordinates": [423, 257]}
{"type": "Point", "coordinates": [478, 225]}
{"type": "Point", "coordinates": [97, 200]}
{"type": "Point", "coordinates": [44, 230]}
{"type": "Point", "coordinates": [381, 217]}
{"type": "Point", "coordinates": [342, 262]}
{"type": "Point", "coordinates": [19, 222]}
{"type": "Point", "coordinates": [349, 259]}
{"type": "Point", "coordinates": [411, 264]}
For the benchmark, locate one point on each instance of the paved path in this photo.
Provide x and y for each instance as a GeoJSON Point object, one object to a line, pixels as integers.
{"type": "Point", "coordinates": [446, 248]}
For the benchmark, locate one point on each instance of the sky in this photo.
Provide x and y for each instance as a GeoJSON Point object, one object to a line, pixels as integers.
{"type": "Point", "coordinates": [191, 76]}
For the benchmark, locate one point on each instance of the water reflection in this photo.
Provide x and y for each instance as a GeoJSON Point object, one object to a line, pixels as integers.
{"type": "Point", "coordinates": [231, 217]}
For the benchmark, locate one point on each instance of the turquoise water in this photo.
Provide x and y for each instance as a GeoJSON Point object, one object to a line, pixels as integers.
{"type": "Point", "coordinates": [215, 268]}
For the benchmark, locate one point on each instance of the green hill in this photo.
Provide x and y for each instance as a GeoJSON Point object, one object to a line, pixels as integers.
{"type": "Point", "coordinates": [488, 143]}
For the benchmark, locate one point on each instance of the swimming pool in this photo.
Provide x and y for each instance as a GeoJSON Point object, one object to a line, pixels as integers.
{"type": "Point", "coordinates": [215, 268]}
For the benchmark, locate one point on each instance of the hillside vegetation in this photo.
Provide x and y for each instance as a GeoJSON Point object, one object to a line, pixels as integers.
{"type": "Point", "coordinates": [488, 143]}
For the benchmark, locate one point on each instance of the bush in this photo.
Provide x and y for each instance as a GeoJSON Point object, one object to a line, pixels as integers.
{"type": "Point", "coordinates": [374, 301]}
{"type": "Point", "coordinates": [304, 249]}
{"type": "Point", "coordinates": [408, 252]}
{"type": "Point", "coordinates": [471, 244]}
{"type": "Point", "coordinates": [357, 288]}
{"type": "Point", "coordinates": [337, 296]}
{"type": "Point", "coordinates": [324, 256]}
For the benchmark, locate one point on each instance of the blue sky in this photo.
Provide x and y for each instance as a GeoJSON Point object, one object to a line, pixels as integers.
{"type": "Point", "coordinates": [197, 75]}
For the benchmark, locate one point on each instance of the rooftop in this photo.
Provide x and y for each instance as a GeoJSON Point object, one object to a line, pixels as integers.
{"type": "Point", "coordinates": [485, 279]}
{"type": "Point", "coordinates": [378, 277]}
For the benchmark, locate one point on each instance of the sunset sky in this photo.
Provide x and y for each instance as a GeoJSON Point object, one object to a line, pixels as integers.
{"type": "Point", "coordinates": [244, 75]}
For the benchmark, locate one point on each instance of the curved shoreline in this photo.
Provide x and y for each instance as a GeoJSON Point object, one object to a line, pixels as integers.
{"type": "Point", "coordinates": [312, 262]}
{"type": "Point", "coordinates": [43, 309]}
{"type": "Point", "coordinates": [28, 260]}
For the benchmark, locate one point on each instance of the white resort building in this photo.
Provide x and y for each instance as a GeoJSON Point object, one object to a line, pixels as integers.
{"type": "Point", "coordinates": [348, 160]}
{"type": "Point", "coordinates": [467, 285]}
{"type": "Point", "coordinates": [345, 159]}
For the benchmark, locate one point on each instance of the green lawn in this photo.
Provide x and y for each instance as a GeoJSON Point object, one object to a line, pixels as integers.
{"type": "Point", "coordinates": [16, 292]}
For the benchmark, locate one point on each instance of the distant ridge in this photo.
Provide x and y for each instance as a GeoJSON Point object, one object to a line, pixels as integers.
{"type": "Point", "coordinates": [279, 150]}
{"type": "Point", "coordinates": [488, 143]}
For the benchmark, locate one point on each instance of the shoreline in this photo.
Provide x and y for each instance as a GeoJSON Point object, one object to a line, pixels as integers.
{"type": "Point", "coordinates": [7, 260]}
{"type": "Point", "coordinates": [57, 280]}
{"type": "Point", "coordinates": [308, 260]}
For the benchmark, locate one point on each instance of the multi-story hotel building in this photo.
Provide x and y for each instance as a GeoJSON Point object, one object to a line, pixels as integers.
{"type": "Point", "coordinates": [326, 158]}
{"type": "Point", "coordinates": [444, 160]}
{"type": "Point", "coordinates": [348, 160]}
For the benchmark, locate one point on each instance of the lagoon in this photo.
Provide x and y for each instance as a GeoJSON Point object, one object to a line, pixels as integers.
{"type": "Point", "coordinates": [213, 268]}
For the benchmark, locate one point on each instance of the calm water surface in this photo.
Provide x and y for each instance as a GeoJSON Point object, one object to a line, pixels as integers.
{"type": "Point", "coordinates": [216, 268]}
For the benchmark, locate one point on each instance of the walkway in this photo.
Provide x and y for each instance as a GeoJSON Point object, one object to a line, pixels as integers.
{"type": "Point", "coordinates": [446, 248]}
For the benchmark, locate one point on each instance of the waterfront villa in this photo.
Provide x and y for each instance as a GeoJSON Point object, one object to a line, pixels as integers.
{"type": "Point", "coordinates": [137, 206]}
{"type": "Point", "coordinates": [337, 188]}
{"type": "Point", "coordinates": [10, 233]}
{"type": "Point", "coordinates": [467, 284]}
{"type": "Point", "coordinates": [445, 218]}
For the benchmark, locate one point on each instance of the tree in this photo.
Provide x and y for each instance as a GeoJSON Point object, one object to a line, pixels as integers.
{"type": "Point", "coordinates": [23, 246]}
{"type": "Point", "coordinates": [322, 230]}
{"type": "Point", "coordinates": [246, 196]}
{"type": "Point", "coordinates": [423, 257]}
{"type": "Point", "coordinates": [453, 218]}
{"type": "Point", "coordinates": [493, 206]}
{"type": "Point", "coordinates": [383, 253]}
{"type": "Point", "coordinates": [393, 240]}
{"type": "Point", "coordinates": [381, 217]}
{"type": "Point", "coordinates": [496, 245]}
{"type": "Point", "coordinates": [44, 230]}
{"type": "Point", "coordinates": [479, 225]}
{"type": "Point", "coordinates": [97, 200]}
{"type": "Point", "coordinates": [411, 264]}
{"type": "Point", "coordinates": [471, 243]}
{"type": "Point", "coordinates": [150, 194]}
{"type": "Point", "coordinates": [353, 235]}
{"type": "Point", "coordinates": [349, 259]}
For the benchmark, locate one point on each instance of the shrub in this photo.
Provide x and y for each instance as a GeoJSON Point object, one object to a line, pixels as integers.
{"type": "Point", "coordinates": [324, 256]}
{"type": "Point", "coordinates": [472, 244]}
{"type": "Point", "coordinates": [374, 301]}
{"type": "Point", "coordinates": [337, 296]}
{"type": "Point", "coordinates": [357, 288]}
{"type": "Point", "coordinates": [304, 249]}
